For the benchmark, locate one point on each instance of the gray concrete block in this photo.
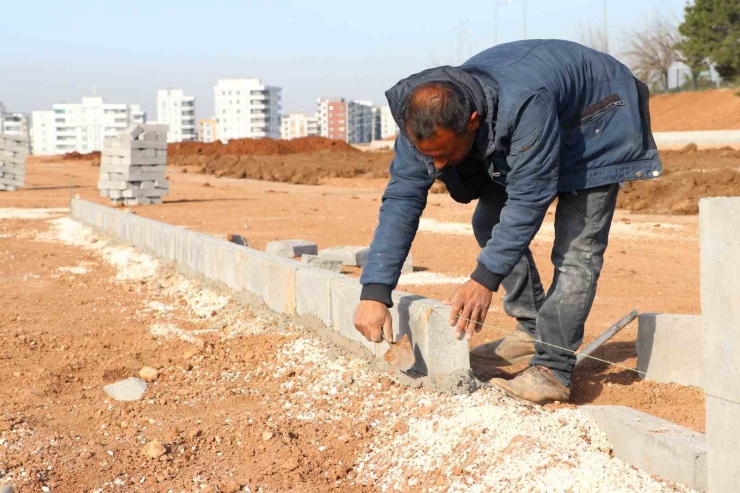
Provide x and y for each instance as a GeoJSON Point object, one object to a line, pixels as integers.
{"type": "Point", "coordinates": [720, 306]}
{"type": "Point", "coordinates": [130, 389]}
{"type": "Point", "coordinates": [668, 348]}
{"type": "Point", "coordinates": [322, 263]}
{"type": "Point", "coordinates": [348, 255]}
{"type": "Point", "coordinates": [655, 445]}
{"type": "Point", "coordinates": [254, 273]}
{"type": "Point", "coordinates": [291, 248]}
{"type": "Point", "coordinates": [313, 293]}
{"type": "Point", "coordinates": [408, 265]}
{"type": "Point", "coordinates": [280, 290]}
{"type": "Point", "coordinates": [426, 323]}
{"type": "Point", "coordinates": [345, 293]}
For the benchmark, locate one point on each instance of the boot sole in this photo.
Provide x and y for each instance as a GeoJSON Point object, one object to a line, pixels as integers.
{"type": "Point", "coordinates": [522, 399]}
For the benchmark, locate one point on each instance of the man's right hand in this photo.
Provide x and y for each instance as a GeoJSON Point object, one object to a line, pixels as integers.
{"type": "Point", "coordinates": [373, 320]}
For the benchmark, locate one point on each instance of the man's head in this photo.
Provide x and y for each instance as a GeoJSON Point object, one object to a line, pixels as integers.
{"type": "Point", "coordinates": [441, 122]}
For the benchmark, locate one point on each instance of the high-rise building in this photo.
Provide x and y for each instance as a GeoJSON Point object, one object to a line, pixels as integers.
{"type": "Point", "coordinates": [386, 125]}
{"type": "Point", "coordinates": [177, 110]}
{"type": "Point", "coordinates": [207, 130]}
{"type": "Point", "coordinates": [246, 108]}
{"type": "Point", "coordinates": [295, 125]}
{"type": "Point", "coordinates": [361, 121]}
{"type": "Point", "coordinates": [332, 117]}
{"type": "Point", "coordinates": [80, 127]}
{"type": "Point", "coordinates": [355, 122]}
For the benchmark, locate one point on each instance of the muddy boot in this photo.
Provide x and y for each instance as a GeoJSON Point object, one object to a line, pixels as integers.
{"type": "Point", "coordinates": [518, 347]}
{"type": "Point", "coordinates": [537, 384]}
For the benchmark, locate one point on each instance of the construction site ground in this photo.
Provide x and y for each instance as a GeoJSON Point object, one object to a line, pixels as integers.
{"type": "Point", "coordinates": [651, 263]}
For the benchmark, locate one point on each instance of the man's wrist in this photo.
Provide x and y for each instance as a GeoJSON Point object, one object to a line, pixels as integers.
{"type": "Point", "coordinates": [377, 292]}
{"type": "Point", "coordinates": [485, 277]}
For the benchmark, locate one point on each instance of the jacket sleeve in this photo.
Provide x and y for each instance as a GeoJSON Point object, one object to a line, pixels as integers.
{"type": "Point", "coordinates": [404, 200]}
{"type": "Point", "coordinates": [534, 163]}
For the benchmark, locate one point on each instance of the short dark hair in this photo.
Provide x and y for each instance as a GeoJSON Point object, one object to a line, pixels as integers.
{"type": "Point", "coordinates": [435, 105]}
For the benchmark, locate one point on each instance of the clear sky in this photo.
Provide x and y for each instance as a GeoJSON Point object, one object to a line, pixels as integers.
{"type": "Point", "coordinates": [55, 51]}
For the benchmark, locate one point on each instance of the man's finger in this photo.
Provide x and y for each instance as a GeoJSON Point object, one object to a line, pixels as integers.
{"type": "Point", "coordinates": [388, 328]}
{"type": "Point", "coordinates": [462, 322]}
{"type": "Point", "coordinates": [472, 324]}
{"type": "Point", "coordinates": [455, 312]}
{"type": "Point", "coordinates": [376, 334]}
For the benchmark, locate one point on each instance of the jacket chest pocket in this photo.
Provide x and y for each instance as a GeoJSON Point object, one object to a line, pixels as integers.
{"type": "Point", "coordinates": [596, 111]}
{"type": "Point", "coordinates": [592, 131]}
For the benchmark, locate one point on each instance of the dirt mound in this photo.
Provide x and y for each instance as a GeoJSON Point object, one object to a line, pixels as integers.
{"type": "Point", "coordinates": [688, 175]}
{"type": "Point", "coordinates": [705, 110]}
{"type": "Point", "coordinates": [76, 156]}
{"type": "Point", "coordinates": [302, 145]}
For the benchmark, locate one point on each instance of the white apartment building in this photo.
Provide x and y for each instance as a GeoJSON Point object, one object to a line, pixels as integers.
{"type": "Point", "coordinates": [246, 108]}
{"type": "Point", "coordinates": [16, 124]}
{"type": "Point", "coordinates": [177, 110]}
{"type": "Point", "coordinates": [295, 125]}
{"type": "Point", "coordinates": [80, 127]}
{"type": "Point", "coordinates": [387, 125]}
{"type": "Point", "coordinates": [207, 130]}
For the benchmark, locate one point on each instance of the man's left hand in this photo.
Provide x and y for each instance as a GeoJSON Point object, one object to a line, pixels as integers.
{"type": "Point", "coordinates": [470, 303]}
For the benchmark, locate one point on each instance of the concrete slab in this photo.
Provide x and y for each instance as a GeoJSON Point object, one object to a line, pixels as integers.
{"type": "Point", "coordinates": [655, 445]}
{"type": "Point", "coordinates": [313, 293]}
{"type": "Point", "coordinates": [280, 291]}
{"type": "Point", "coordinates": [720, 306]}
{"type": "Point", "coordinates": [291, 248]}
{"type": "Point", "coordinates": [345, 293]}
{"type": "Point", "coordinates": [348, 255]}
{"type": "Point", "coordinates": [667, 348]}
{"type": "Point", "coordinates": [322, 263]}
{"type": "Point", "coordinates": [130, 389]}
{"type": "Point", "coordinates": [408, 265]}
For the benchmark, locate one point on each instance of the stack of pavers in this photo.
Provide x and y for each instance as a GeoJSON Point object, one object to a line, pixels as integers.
{"type": "Point", "coordinates": [133, 166]}
{"type": "Point", "coordinates": [13, 153]}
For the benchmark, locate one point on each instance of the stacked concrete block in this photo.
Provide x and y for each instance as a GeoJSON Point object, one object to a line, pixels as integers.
{"type": "Point", "coordinates": [348, 255]}
{"type": "Point", "coordinates": [667, 348]}
{"type": "Point", "coordinates": [291, 248]}
{"type": "Point", "coordinates": [719, 223]}
{"type": "Point", "coordinates": [320, 262]}
{"type": "Point", "coordinates": [13, 153]}
{"type": "Point", "coordinates": [656, 445]}
{"type": "Point", "coordinates": [133, 166]}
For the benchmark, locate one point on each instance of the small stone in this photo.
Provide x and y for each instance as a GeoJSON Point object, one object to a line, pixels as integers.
{"type": "Point", "coordinates": [148, 374]}
{"type": "Point", "coordinates": [154, 449]}
{"type": "Point", "coordinates": [130, 389]}
{"type": "Point", "coordinates": [266, 435]}
{"type": "Point", "coordinates": [237, 240]}
{"type": "Point", "coordinates": [232, 487]}
{"type": "Point", "coordinates": [7, 489]}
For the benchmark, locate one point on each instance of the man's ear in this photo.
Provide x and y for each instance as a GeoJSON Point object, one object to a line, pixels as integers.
{"type": "Point", "coordinates": [473, 122]}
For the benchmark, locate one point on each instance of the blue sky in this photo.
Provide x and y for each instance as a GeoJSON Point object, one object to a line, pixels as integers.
{"type": "Point", "coordinates": [55, 51]}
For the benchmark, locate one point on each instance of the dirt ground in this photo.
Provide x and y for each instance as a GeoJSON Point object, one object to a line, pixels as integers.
{"type": "Point", "coordinates": [237, 400]}
{"type": "Point", "coordinates": [651, 264]}
{"type": "Point", "coordinates": [703, 110]}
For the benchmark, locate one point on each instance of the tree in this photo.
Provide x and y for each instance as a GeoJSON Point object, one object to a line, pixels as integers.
{"type": "Point", "coordinates": [711, 30]}
{"type": "Point", "coordinates": [592, 35]}
{"type": "Point", "coordinates": [652, 50]}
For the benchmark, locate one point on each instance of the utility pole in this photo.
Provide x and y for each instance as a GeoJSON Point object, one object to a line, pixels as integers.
{"type": "Point", "coordinates": [460, 40]}
{"type": "Point", "coordinates": [606, 32]}
{"type": "Point", "coordinates": [495, 19]}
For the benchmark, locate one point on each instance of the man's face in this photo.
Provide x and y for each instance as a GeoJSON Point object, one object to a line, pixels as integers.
{"type": "Point", "coordinates": [447, 148]}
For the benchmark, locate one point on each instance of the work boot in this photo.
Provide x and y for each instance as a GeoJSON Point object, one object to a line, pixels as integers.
{"type": "Point", "coordinates": [518, 347]}
{"type": "Point", "coordinates": [536, 384]}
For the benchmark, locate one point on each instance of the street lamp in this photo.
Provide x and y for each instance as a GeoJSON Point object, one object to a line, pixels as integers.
{"type": "Point", "coordinates": [606, 33]}
{"type": "Point", "coordinates": [495, 19]}
{"type": "Point", "coordinates": [460, 39]}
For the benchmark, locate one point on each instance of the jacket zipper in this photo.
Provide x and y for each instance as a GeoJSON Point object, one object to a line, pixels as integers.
{"type": "Point", "coordinates": [603, 110]}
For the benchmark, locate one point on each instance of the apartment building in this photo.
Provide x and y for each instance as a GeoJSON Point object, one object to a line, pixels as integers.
{"type": "Point", "coordinates": [207, 130]}
{"type": "Point", "coordinates": [354, 121]}
{"type": "Point", "coordinates": [246, 108]}
{"type": "Point", "coordinates": [177, 110]}
{"type": "Point", "coordinates": [81, 126]}
{"type": "Point", "coordinates": [295, 125]}
{"type": "Point", "coordinates": [385, 124]}
{"type": "Point", "coordinates": [332, 118]}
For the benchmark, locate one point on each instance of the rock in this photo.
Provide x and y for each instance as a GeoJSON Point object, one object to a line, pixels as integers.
{"type": "Point", "coordinates": [130, 389]}
{"type": "Point", "coordinates": [7, 489]}
{"type": "Point", "coordinates": [232, 487]}
{"type": "Point", "coordinates": [266, 435]}
{"type": "Point", "coordinates": [154, 449]}
{"type": "Point", "coordinates": [237, 240]}
{"type": "Point", "coordinates": [148, 374]}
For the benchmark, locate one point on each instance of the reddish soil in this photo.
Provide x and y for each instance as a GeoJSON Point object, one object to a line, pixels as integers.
{"type": "Point", "coordinates": [652, 263]}
{"type": "Point", "coordinates": [304, 145]}
{"type": "Point", "coordinates": [703, 110]}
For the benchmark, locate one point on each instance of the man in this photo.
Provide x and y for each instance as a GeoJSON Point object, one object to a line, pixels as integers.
{"type": "Point", "coordinates": [515, 127]}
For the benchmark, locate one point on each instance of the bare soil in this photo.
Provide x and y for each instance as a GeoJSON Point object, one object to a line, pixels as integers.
{"type": "Point", "coordinates": [703, 110]}
{"type": "Point", "coordinates": [652, 263]}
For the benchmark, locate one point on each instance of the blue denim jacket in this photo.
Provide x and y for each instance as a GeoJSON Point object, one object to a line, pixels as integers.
{"type": "Point", "coordinates": [556, 116]}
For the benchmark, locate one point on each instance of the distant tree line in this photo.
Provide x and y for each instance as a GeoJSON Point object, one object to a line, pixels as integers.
{"type": "Point", "coordinates": [709, 36]}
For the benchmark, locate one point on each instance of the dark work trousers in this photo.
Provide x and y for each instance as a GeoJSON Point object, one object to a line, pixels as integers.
{"type": "Point", "coordinates": [582, 222]}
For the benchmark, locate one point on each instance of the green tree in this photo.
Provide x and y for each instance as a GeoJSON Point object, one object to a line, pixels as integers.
{"type": "Point", "coordinates": [711, 30]}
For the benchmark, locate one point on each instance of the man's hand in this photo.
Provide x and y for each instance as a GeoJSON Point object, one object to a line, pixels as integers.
{"type": "Point", "coordinates": [373, 320]}
{"type": "Point", "coordinates": [470, 303]}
